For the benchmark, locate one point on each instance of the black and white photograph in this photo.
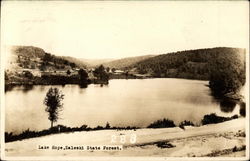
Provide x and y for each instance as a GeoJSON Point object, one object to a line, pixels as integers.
{"type": "Point", "coordinates": [155, 80]}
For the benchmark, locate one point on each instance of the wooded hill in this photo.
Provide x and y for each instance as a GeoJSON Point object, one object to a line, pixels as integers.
{"type": "Point", "coordinates": [126, 62]}
{"type": "Point", "coordinates": [30, 57]}
{"type": "Point", "coordinates": [224, 67]}
{"type": "Point", "coordinates": [192, 64]}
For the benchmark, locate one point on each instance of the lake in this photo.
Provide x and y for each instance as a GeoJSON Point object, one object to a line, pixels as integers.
{"type": "Point", "coordinates": [134, 102]}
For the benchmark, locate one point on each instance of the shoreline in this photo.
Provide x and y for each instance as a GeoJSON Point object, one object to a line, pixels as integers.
{"type": "Point", "coordinates": [158, 124]}
{"type": "Point", "coordinates": [193, 141]}
{"type": "Point", "coordinates": [233, 96]}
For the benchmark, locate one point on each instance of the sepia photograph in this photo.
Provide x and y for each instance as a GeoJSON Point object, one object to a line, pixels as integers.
{"type": "Point", "coordinates": [121, 80]}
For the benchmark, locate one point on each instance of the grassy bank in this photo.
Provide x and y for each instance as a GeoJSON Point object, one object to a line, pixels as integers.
{"type": "Point", "coordinates": [221, 139]}
{"type": "Point", "coordinates": [163, 123]}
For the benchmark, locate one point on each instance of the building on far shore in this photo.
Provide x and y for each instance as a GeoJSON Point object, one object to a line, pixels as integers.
{"type": "Point", "coordinates": [35, 72]}
{"type": "Point", "coordinates": [119, 72]}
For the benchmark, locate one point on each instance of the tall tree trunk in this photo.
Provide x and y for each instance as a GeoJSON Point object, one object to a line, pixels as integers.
{"type": "Point", "coordinates": [51, 124]}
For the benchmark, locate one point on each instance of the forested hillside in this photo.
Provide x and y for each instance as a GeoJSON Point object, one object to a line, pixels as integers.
{"type": "Point", "coordinates": [224, 67]}
{"type": "Point", "coordinates": [28, 65]}
{"type": "Point", "coordinates": [30, 57]}
{"type": "Point", "coordinates": [126, 62]}
{"type": "Point", "coordinates": [193, 64]}
{"type": "Point", "coordinates": [92, 63]}
{"type": "Point", "coordinates": [77, 62]}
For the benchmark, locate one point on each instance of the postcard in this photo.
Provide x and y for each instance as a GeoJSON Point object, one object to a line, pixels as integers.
{"type": "Point", "coordinates": [121, 80]}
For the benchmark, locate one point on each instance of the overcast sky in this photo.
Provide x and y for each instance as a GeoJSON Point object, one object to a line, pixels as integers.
{"type": "Point", "coordinates": [123, 29]}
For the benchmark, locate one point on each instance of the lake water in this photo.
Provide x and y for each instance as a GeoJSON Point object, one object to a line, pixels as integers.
{"type": "Point", "coordinates": [134, 102]}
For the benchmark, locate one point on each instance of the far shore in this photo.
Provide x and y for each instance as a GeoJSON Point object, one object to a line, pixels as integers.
{"type": "Point", "coordinates": [9, 85]}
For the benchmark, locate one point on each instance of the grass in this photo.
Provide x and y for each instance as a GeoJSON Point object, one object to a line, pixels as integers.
{"type": "Point", "coordinates": [162, 123]}
{"type": "Point", "coordinates": [186, 123]}
{"type": "Point", "coordinates": [9, 137]}
{"type": "Point", "coordinates": [226, 151]}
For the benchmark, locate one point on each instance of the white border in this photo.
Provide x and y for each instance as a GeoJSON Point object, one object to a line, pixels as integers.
{"type": "Point", "coordinates": [2, 102]}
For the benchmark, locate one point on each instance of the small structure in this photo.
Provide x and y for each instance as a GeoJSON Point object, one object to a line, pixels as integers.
{"type": "Point", "coordinates": [118, 72]}
{"type": "Point", "coordinates": [143, 75]}
{"type": "Point", "coordinates": [34, 72]}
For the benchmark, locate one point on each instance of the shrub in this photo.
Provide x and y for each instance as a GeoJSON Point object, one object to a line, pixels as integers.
{"type": "Point", "coordinates": [28, 74]}
{"type": "Point", "coordinates": [57, 129]}
{"type": "Point", "coordinates": [213, 119]}
{"type": "Point", "coordinates": [162, 124]}
{"type": "Point", "coordinates": [107, 126]}
{"type": "Point", "coordinates": [164, 144]}
{"type": "Point", "coordinates": [185, 123]}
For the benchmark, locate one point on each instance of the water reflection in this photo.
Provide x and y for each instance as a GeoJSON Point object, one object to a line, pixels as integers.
{"type": "Point", "coordinates": [83, 85]}
{"type": "Point", "coordinates": [243, 109]}
{"type": "Point", "coordinates": [8, 88]}
{"type": "Point", "coordinates": [27, 88]}
{"type": "Point", "coordinates": [227, 105]}
{"type": "Point", "coordinates": [104, 85]}
{"type": "Point", "coordinates": [42, 88]}
{"type": "Point", "coordinates": [121, 103]}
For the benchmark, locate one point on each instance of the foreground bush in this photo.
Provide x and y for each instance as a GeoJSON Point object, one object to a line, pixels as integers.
{"type": "Point", "coordinates": [185, 123]}
{"type": "Point", "coordinates": [58, 129]}
{"type": "Point", "coordinates": [162, 124]}
{"type": "Point", "coordinates": [213, 119]}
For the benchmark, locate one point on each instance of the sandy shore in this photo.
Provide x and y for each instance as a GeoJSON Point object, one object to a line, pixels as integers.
{"type": "Point", "coordinates": [223, 139]}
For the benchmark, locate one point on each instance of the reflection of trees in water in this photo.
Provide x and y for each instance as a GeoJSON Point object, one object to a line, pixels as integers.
{"type": "Point", "coordinates": [42, 88]}
{"type": "Point", "coordinates": [83, 85]}
{"type": "Point", "coordinates": [27, 88]}
{"type": "Point", "coordinates": [104, 85]}
{"type": "Point", "coordinates": [227, 105]}
{"type": "Point", "coordinates": [243, 109]}
{"type": "Point", "coordinates": [8, 88]}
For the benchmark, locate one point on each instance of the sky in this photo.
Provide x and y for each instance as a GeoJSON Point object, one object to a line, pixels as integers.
{"type": "Point", "coordinates": [97, 29]}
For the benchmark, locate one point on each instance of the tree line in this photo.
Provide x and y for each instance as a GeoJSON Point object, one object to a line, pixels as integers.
{"type": "Point", "coordinates": [223, 67]}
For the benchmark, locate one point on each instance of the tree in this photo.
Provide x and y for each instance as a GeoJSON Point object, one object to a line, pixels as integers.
{"type": "Point", "coordinates": [6, 77]}
{"type": "Point", "coordinates": [28, 74]}
{"type": "Point", "coordinates": [47, 57]}
{"type": "Point", "coordinates": [73, 65]}
{"type": "Point", "coordinates": [68, 72]}
{"type": "Point", "coordinates": [107, 69]}
{"type": "Point", "coordinates": [101, 74]}
{"type": "Point", "coordinates": [113, 70]}
{"type": "Point", "coordinates": [42, 66]}
{"type": "Point", "coordinates": [107, 126]}
{"type": "Point", "coordinates": [227, 72]}
{"type": "Point", "coordinates": [54, 105]}
{"type": "Point", "coordinates": [83, 76]}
